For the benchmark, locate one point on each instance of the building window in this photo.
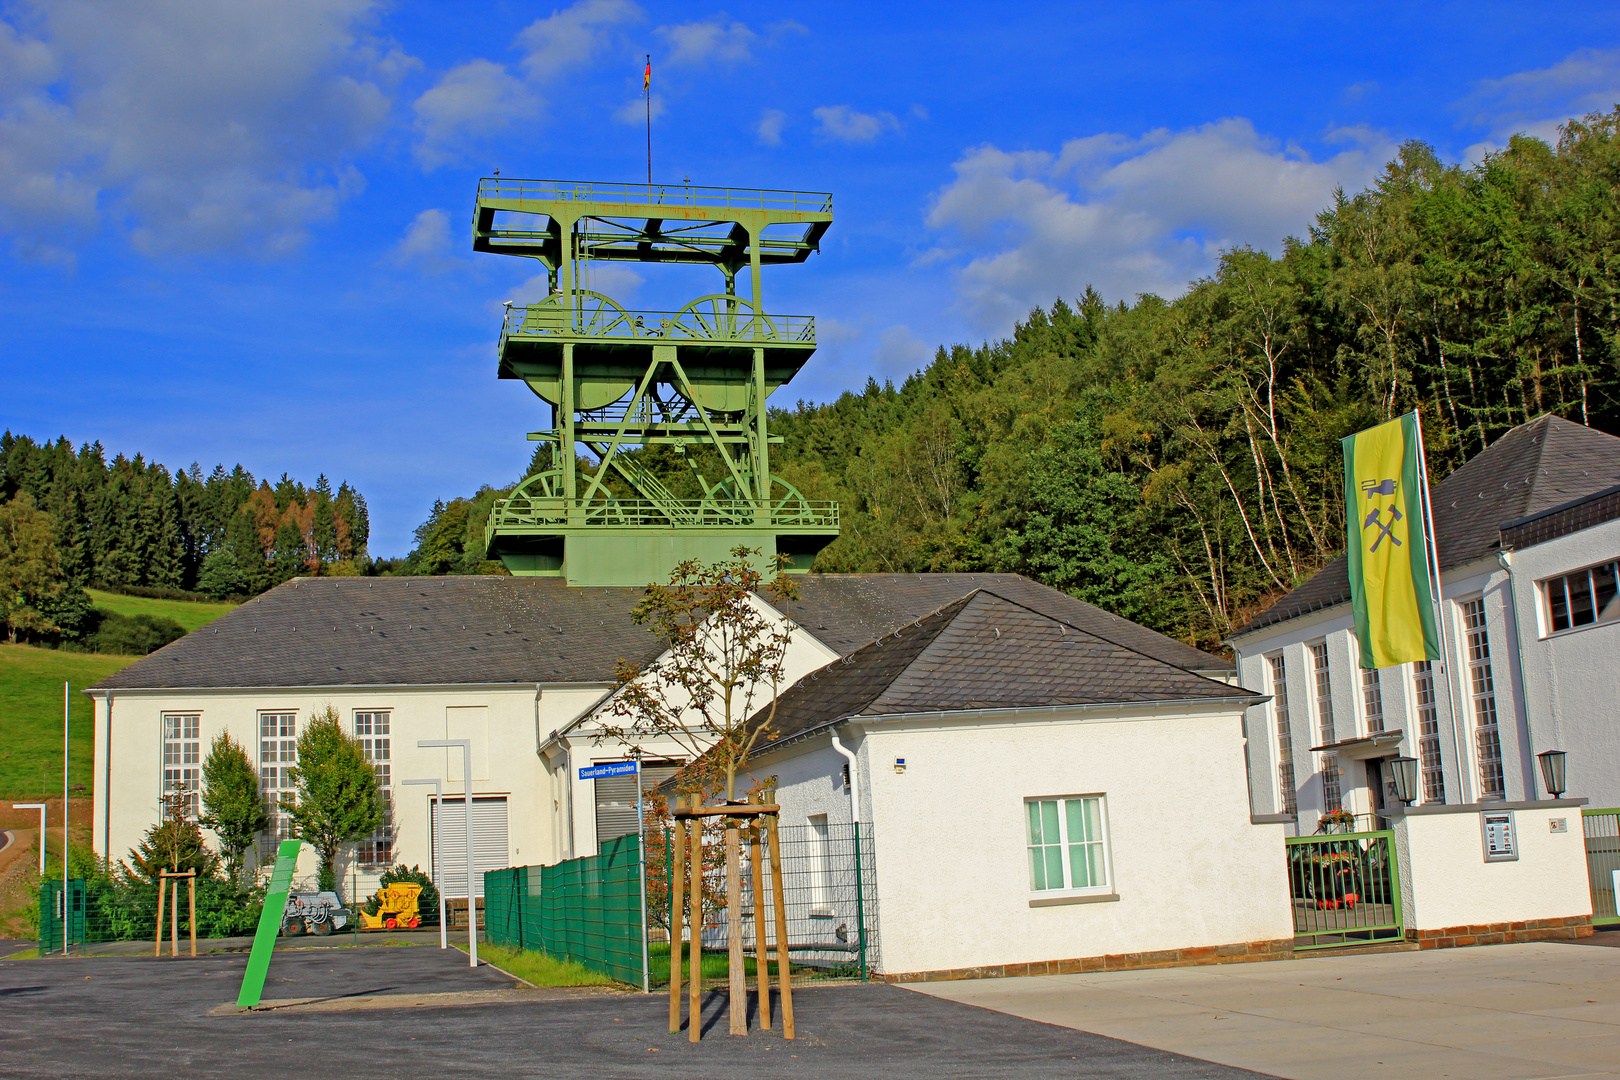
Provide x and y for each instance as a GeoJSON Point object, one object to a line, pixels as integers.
{"type": "Point", "coordinates": [820, 859]}
{"type": "Point", "coordinates": [1372, 700]}
{"type": "Point", "coordinates": [1332, 797]}
{"type": "Point", "coordinates": [371, 728]}
{"type": "Point", "coordinates": [1583, 598]}
{"type": "Point", "coordinates": [1285, 739]}
{"type": "Point", "coordinates": [278, 751]}
{"type": "Point", "coordinates": [1434, 777]}
{"type": "Point", "coordinates": [1068, 845]}
{"type": "Point", "coordinates": [1487, 740]}
{"type": "Point", "coordinates": [182, 768]}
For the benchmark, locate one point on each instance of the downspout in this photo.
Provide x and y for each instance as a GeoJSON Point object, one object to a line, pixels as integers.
{"type": "Point", "coordinates": [854, 779]}
{"type": "Point", "coordinates": [1506, 563]}
{"type": "Point", "coordinates": [106, 798]}
{"type": "Point", "coordinates": [568, 790]}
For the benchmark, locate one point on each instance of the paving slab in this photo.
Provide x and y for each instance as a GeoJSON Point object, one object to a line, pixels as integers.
{"type": "Point", "coordinates": [1505, 1012]}
{"type": "Point", "coordinates": [414, 1011]}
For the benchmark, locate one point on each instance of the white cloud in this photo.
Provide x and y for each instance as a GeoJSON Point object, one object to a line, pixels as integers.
{"type": "Point", "coordinates": [469, 102]}
{"type": "Point", "coordinates": [1131, 215]}
{"type": "Point", "coordinates": [898, 349]}
{"type": "Point", "coordinates": [481, 98]}
{"type": "Point", "coordinates": [426, 243]}
{"type": "Point", "coordinates": [571, 37]}
{"type": "Point", "coordinates": [1538, 101]}
{"type": "Point", "coordinates": [714, 40]}
{"type": "Point", "coordinates": [844, 124]}
{"type": "Point", "coordinates": [202, 127]}
{"type": "Point", "coordinates": [769, 128]}
{"type": "Point", "coordinates": [635, 110]}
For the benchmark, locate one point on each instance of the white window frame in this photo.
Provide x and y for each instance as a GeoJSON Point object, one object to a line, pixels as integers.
{"type": "Point", "coordinates": [1484, 707]}
{"type": "Point", "coordinates": [1106, 887]}
{"type": "Point", "coordinates": [280, 825]}
{"type": "Point", "coordinates": [182, 760]}
{"type": "Point", "coordinates": [1282, 732]}
{"type": "Point", "coordinates": [1545, 592]}
{"type": "Point", "coordinates": [377, 747]}
{"type": "Point", "coordinates": [1321, 658]}
{"type": "Point", "coordinates": [820, 866]}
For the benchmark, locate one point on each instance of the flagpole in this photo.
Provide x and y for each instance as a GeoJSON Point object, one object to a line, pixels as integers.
{"type": "Point", "coordinates": [647, 92]}
{"type": "Point", "coordinates": [1440, 609]}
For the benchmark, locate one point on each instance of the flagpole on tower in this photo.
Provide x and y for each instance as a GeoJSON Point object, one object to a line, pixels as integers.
{"type": "Point", "coordinates": [646, 90]}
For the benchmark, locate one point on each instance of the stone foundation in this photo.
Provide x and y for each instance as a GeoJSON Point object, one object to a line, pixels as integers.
{"type": "Point", "coordinates": [1240, 953]}
{"type": "Point", "coordinates": [1456, 937]}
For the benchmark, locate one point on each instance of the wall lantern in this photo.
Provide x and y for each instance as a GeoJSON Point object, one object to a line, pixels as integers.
{"type": "Point", "coordinates": [1403, 773]}
{"type": "Point", "coordinates": [1552, 772]}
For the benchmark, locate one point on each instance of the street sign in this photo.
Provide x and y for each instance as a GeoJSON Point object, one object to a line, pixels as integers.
{"type": "Point", "coordinates": [611, 768]}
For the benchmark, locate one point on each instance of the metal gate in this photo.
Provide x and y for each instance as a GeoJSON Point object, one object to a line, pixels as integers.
{"type": "Point", "coordinates": [1602, 832]}
{"type": "Point", "coordinates": [1345, 889]}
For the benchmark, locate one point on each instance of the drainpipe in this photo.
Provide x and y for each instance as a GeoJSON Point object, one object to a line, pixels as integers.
{"type": "Point", "coordinates": [854, 779]}
{"type": "Point", "coordinates": [1506, 563]}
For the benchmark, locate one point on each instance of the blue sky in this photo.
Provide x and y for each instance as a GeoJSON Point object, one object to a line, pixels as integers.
{"type": "Point", "coordinates": [238, 232]}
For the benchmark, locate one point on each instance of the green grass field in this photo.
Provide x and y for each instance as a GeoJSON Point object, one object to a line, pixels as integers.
{"type": "Point", "coordinates": [187, 613]}
{"type": "Point", "coordinates": [31, 718]}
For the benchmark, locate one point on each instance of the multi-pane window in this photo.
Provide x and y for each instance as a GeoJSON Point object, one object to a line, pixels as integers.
{"type": "Point", "coordinates": [1487, 741]}
{"type": "Point", "coordinates": [1068, 845]}
{"type": "Point", "coordinates": [1372, 700]}
{"type": "Point", "coordinates": [1332, 797]}
{"type": "Point", "coordinates": [182, 768]}
{"type": "Point", "coordinates": [371, 728]}
{"type": "Point", "coordinates": [1285, 739]}
{"type": "Point", "coordinates": [820, 865]}
{"type": "Point", "coordinates": [278, 752]}
{"type": "Point", "coordinates": [1584, 597]}
{"type": "Point", "coordinates": [1434, 777]}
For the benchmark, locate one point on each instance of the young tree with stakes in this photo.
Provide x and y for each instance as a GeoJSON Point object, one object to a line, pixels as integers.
{"type": "Point", "coordinates": [233, 806]}
{"type": "Point", "coordinates": [723, 663]}
{"type": "Point", "coordinates": [338, 801]}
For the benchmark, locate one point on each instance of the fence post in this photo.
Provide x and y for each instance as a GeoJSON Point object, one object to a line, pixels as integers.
{"type": "Point", "coordinates": [860, 901]}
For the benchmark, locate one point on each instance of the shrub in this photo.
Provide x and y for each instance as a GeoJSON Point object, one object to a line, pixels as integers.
{"type": "Point", "coordinates": [133, 635]}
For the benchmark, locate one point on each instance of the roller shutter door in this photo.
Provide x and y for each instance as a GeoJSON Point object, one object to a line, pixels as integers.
{"type": "Point", "coordinates": [450, 843]}
{"type": "Point", "coordinates": [616, 801]}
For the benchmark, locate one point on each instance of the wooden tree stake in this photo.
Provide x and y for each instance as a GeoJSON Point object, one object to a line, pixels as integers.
{"type": "Point", "coordinates": [782, 977]}
{"type": "Point", "coordinates": [737, 978]}
{"type": "Point", "coordinates": [694, 1001]}
{"type": "Point", "coordinates": [157, 938]}
{"type": "Point", "coordinates": [762, 966]}
{"type": "Point", "coordinates": [677, 919]}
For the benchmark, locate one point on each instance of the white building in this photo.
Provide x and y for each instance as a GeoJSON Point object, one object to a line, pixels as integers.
{"type": "Point", "coordinates": [1528, 533]}
{"type": "Point", "coordinates": [518, 666]}
{"type": "Point", "coordinates": [1041, 798]}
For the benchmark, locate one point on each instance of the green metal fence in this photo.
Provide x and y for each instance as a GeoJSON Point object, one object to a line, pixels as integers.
{"type": "Point", "coordinates": [1345, 889]}
{"type": "Point", "coordinates": [1602, 832]}
{"type": "Point", "coordinates": [105, 910]}
{"type": "Point", "coordinates": [52, 912]}
{"type": "Point", "coordinates": [587, 910]}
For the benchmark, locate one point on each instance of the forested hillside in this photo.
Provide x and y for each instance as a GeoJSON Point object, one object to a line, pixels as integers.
{"type": "Point", "coordinates": [1177, 461]}
{"type": "Point", "coordinates": [70, 518]}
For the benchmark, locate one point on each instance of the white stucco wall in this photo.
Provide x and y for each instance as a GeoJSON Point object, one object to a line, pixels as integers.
{"type": "Point", "coordinates": [952, 866]}
{"type": "Point", "coordinates": [501, 721]}
{"type": "Point", "coordinates": [1570, 676]}
{"type": "Point", "coordinates": [1445, 880]}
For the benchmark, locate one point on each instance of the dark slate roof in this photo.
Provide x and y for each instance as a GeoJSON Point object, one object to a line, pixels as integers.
{"type": "Point", "coordinates": [405, 631]}
{"type": "Point", "coordinates": [492, 630]}
{"type": "Point", "coordinates": [1535, 467]}
{"type": "Point", "coordinates": [845, 611]}
{"type": "Point", "coordinates": [1571, 517]}
{"type": "Point", "coordinates": [985, 651]}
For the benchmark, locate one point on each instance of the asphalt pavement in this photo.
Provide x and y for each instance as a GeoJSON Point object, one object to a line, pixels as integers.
{"type": "Point", "coordinates": [145, 1017]}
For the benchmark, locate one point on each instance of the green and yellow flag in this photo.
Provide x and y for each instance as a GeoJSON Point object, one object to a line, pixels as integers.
{"type": "Point", "coordinates": [1388, 546]}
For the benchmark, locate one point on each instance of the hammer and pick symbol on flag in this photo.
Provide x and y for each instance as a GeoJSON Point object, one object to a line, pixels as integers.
{"type": "Point", "coordinates": [1373, 519]}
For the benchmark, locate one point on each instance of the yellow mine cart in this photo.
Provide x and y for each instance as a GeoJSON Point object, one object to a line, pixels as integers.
{"type": "Point", "coordinates": [398, 910]}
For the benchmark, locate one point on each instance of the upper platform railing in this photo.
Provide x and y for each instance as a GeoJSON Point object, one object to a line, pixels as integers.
{"type": "Point", "coordinates": [744, 327]}
{"type": "Point", "coordinates": [648, 197]}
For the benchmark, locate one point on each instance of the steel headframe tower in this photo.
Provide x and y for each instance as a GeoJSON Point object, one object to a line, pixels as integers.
{"type": "Point", "coordinates": [695, 380]}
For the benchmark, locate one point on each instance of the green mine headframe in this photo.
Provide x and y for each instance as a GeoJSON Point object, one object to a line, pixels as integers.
{"type": "Point", "coordinates": [695, 380]}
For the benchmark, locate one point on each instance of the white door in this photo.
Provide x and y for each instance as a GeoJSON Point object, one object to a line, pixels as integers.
{"type": "Point", "coordinates": [450, 843]}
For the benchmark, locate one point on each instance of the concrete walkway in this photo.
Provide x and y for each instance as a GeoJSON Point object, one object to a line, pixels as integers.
{"type": "Point", "coordinates": [1504, 1012]}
